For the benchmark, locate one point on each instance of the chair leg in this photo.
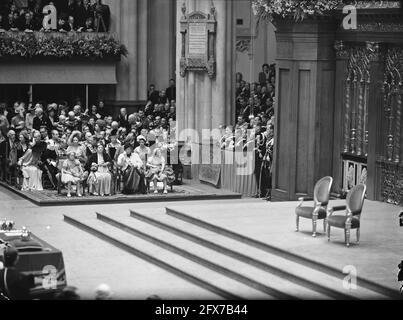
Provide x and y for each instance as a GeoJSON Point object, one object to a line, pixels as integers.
{"type": "Point", "coordinates": [358, 235]}
{"type": "Point", "coordinates": [297, 223]}
{"type": "Point", "coordinates": [328, 232]}
{"type": "Point", "coordinates": [314, 223]}
{"type": "Point", "coordinates": [347, 236]}
{"type": "Point", "coordinates": [324, 225]}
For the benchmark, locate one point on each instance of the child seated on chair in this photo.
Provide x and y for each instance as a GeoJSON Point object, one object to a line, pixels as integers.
{"type": "Point", "coordinates": [92, 180]}
{"type": "Point", "coordinates": [72, 173]}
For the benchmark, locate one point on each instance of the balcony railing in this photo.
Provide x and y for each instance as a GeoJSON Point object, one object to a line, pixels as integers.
{"type": "Point", "coordinates": [57, 45]}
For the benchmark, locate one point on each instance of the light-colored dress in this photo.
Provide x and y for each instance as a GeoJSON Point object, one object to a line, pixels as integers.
{"type": "Point", "coordinates": [78, 150]}
{"type": "Point", "coordinates": [144, 153]}
{"type": "Point", "coordinates": [155, 171]}
{"type": "Point", "coordinates": [32, 174]}
{"type": "Point", "coordinates": [104, 178]}
{"type": "Point", "coordinates": [72, 171]}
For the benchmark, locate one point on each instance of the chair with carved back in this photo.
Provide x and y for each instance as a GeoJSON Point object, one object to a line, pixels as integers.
{"type": "Point", "coordinates": [351, 219]}
{"type": "Point", "coordinates": [321, 194]}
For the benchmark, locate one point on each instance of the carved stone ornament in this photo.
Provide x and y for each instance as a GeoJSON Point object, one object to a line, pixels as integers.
{"type": "Point", "coordinates": [198, 31]}
{"type": "Point", "coordinates": [243, 45]}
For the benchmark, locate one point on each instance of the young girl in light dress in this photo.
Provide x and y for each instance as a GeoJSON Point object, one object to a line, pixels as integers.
{"type": "Point", "coordinates": [72, 173]}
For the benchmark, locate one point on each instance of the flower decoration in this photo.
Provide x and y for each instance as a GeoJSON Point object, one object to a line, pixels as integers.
{"type": "Point", "coordinates": [298, 9]}
{"type": "Point", "coordinates": [301, 9]}
{"type": "Point", "coordinates": [60, 46]}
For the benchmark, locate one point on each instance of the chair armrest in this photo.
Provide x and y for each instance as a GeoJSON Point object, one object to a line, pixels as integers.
{"type": "Point", "coordinates": [305, 199]}
{"type": "Point", "coordinates": [330, 210]}
{"type": "Point", "coordinates": [339, 208]}
{"type": "Point", "coordinates": [302, 199]}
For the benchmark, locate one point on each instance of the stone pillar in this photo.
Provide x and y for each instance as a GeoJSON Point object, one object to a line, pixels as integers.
{"type": "Point", "coordinates": [204, 103]}
{"type": "Point", "coordinates": [129, 23]}
{"type": "Point", "coordinates": [305, 106]}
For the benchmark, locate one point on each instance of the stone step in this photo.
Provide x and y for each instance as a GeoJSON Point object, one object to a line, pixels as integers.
{"type": "Point", "coordinates": [282, 265]}
{"type": "Point", "coordinates": [227, 266]}
{"type": "Point", "coordinates": [206, 278]}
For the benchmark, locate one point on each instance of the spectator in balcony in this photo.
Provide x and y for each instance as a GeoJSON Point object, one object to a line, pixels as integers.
{"type": "Point", "coordinates": [3, 25]}
{"type": "Point", "coordinates": [88, 26]}
{"type": "Point", "coordinates": [171, 90]}
{"type": "Point", "coordinates": [71, 23]}
{"type": "Point", "coordinates": [102, 16]}
{"type": "Point", "coordinates": [63, 26]}
{"type": "Point", "coordinates": [12, 22]}
{"type": "Point", "coordinates": [27, 23]}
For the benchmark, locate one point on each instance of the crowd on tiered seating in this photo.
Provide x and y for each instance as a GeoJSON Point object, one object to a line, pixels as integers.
{"type": "Point", "coordinates": [255, 124]}
{"type": "Point", "coordinates": [72, 15]}
{"type": "Point", "coordinates": [56, 145]}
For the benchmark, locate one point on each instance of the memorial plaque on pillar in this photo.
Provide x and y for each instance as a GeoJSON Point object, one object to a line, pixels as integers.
{"type": "Point", "coordinates": [198, 42]}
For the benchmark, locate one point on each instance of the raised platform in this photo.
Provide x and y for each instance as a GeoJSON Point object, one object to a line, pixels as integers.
{"type": "Point", "coordinates": [250, 250]}
{"type": "Point", "coordinates": [189, 191]}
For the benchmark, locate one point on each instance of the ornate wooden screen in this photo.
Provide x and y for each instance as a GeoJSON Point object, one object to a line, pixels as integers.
{"type": "Point", "coordinates": [356, 117]}
{"type": "Point", "coordinates": [356, 103]}
{"type": "Point", "coordinates": [390, 161]}
{"type": "Point", "coordinates": [357, 82]}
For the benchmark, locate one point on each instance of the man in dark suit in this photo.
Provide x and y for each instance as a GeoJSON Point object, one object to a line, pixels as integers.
{"type": "Point", "coordinates": [41, 120]}
{"type": "Point", "coordinates": [153, 95]}
{"type": "Point", "coordinates": [14, 284]}
{"type": "Point", "coordinates": [171, 90]}
{"type": "Point", "coordinates": [27, 23]}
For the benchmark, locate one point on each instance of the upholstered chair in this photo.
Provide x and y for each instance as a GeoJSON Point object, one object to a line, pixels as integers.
{"type": "Point", "coordinates": [321, 194]}
{"type": "Point", "coordinates": [351, 219]}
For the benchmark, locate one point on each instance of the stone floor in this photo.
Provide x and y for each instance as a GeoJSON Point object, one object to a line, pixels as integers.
{"type": "Point", "coordinates": [90, 261]}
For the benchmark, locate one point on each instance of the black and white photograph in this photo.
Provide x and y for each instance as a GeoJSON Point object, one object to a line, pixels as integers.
{"type": "Point", "coordinates": [201, 150]}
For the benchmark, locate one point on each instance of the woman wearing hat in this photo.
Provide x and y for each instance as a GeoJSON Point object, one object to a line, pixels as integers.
{"type": "Point", "coordinates": [132, 167]}
{"type": "Point", "coordinates": [102, 174]}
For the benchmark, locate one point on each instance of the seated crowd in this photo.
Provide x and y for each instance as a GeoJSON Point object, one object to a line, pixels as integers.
{"type": "Point", "coordinates": [53, 145]}
{"type": "Point", "coordinates": [254, 128]}
{"type": "Point", "coordinates": [72, 15]}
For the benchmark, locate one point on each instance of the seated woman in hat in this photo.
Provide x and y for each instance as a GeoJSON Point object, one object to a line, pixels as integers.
{"type": "Point", "coordinates": [72, 173]}
{"type": "Point", "coordinates": [133, 173]}
{"type": "Point", "coordinates": [30, 163]}
{"type": "Point", "coordinates": [158, 171]}
{"type": "Point", "coordinates": [102, 174]}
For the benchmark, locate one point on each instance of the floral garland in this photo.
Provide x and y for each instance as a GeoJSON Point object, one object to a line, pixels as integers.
{"type": "Point", "coordinates": [37, 45]}
{"type": "Point", "coordinates": [298, 9]}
